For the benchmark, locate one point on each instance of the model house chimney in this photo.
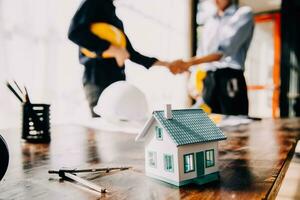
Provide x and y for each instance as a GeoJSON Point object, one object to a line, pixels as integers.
{"type": "Point", "coordinates": [168, 111]}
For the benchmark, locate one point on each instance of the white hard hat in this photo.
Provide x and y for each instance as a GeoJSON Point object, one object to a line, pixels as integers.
{"type": "Point", "coordinates": [122, 101]}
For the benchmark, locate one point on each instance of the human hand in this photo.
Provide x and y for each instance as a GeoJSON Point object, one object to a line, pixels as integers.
{"type": "Point", "coordinates": [179, 66]}
{"type": "Point", "coordinates": [120, 54]}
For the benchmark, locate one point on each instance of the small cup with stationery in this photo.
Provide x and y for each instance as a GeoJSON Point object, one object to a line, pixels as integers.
{"type": "Point", "coordinates": [35, 117]}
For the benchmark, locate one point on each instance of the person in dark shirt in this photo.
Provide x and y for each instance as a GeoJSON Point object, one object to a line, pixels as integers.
{"type": "Point", "coordinates": [100, 72]}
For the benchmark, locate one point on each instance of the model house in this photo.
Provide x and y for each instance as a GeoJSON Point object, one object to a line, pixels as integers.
{"type": "Point", "coordinates": [181, 146]}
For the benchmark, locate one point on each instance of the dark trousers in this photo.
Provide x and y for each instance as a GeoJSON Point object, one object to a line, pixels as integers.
{"type": "Point", "coordinates": [225, 91]}
{"type": "Point", "coordinates": [98, 75]}
{"type": "Point", "coordinates": [92, 93]}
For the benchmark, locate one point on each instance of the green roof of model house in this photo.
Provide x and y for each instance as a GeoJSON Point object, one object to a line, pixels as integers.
{"type": "Point", "coordinates": [189, 126]}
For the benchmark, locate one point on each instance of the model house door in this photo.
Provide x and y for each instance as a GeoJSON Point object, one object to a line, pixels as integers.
{"type": "Point", "coordinates": [200, 163]}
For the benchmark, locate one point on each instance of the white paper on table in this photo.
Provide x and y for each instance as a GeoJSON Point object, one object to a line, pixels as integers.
{"type": "Point", "coordinates": [234, 121]}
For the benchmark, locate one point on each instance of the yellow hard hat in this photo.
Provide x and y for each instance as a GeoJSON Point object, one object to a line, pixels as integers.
{"type": "Point", "coordinates": [106, 32]}
{"type": "Point", "coordinates": [200, 76]}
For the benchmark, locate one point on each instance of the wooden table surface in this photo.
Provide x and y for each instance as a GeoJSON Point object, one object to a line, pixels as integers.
{"type": "Point", "coordinates": [253, 161]}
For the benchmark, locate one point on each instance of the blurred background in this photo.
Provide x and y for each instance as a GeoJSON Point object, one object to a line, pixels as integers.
{"type": "Point", "coordinates": [35, 51]}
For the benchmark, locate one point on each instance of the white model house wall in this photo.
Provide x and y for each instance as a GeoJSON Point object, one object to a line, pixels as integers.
{"type": "Point", "coordinates": [194, 148]}
{"type": "Point", "coordinates": [166, 146]}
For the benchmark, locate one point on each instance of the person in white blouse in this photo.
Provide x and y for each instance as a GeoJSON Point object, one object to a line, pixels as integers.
{"type": "Point", "coordinates": [225, 41]}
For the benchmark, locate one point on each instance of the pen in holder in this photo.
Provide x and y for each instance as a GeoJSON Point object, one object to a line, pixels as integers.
{"type": "Point", "coordinates": [36, 123]}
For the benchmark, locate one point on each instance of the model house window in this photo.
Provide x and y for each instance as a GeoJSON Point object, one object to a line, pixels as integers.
{"type": "Point", "coordinates": [168, 161]}
{"type": "Point", "coordinates": [188, 163]}
{"type": "Point", "coordinates": [152, 158]}
{"type": "Point", "coordinates": [159, 133]}
{"type": "Point", "coordinates": [209, 158]}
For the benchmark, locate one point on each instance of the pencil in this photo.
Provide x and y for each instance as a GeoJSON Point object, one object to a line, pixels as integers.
{"type": "Point", "coordinates": [14, 92]}
{"type": "Point", "coordinates": [27, 100]}
{"type": "Point", "coordinates": [18, 87]}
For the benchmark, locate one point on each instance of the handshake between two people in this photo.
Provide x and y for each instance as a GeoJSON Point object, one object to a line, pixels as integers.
{"type": "Point", "coordinates": [176, 67]}
{"type": "Point", "coordinates": [180, 66]}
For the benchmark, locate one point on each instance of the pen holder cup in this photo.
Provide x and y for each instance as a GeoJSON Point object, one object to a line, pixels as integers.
{"type": "Point", "coordinates": [36, 123]}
